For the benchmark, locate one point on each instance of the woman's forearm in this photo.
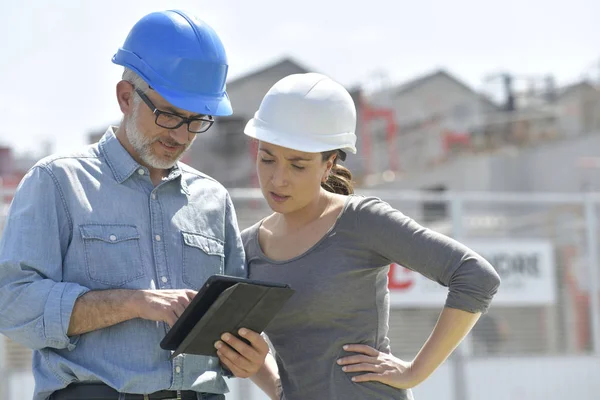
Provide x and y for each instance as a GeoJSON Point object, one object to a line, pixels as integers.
{"type": "Point", "coordinates": [267, 378]}
{"type": "Point", "coordinates": [451, 328]}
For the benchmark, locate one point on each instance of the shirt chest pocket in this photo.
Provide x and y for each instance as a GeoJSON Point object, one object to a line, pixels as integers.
{"type": "Point", "coordinates": [203, 256]}
{"type": "Point", "coordinates": [112, 253]}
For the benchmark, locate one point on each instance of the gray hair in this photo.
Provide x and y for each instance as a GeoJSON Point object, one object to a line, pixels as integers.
{"type": "Point", "coordinates": [132, 77]}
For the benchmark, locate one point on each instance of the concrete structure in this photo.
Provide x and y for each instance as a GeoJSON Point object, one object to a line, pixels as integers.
{"type": "Point", "coordinates": [428, 111]}
{"type": "Point", "coordinates": [549, 146]}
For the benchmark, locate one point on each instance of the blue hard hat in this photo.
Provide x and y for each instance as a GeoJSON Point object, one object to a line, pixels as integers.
{"type": "Point", "coordinates": [181, 58]}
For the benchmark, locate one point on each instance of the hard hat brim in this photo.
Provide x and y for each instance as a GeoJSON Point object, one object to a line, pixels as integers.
{"type": "Point", "coordinates": [255, 129]}
{"type": "Point", "coordinates": [216, 106]}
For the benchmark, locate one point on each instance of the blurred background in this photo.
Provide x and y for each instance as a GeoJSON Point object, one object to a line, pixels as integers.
{"type": "Point", "coordinates": [480, 120]}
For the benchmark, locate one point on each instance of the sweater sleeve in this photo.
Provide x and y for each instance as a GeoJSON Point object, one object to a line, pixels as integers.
{"type": "Point", "coordinates": [394, 237]}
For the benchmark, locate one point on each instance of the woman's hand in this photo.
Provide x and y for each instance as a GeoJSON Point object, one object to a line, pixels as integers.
{"type": "Point", "coordinates": [243, 360]}
{"type": "Point", "coordinates": [451, 328]}
{"type": "Point", "coordinates": [379, 367]}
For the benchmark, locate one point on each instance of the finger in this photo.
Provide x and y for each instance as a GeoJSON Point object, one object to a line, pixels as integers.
{"type": "Point", "coordinates": [243, 348]}
{"type": "Point", "coordinates": [362, 348]}
{"type": "Point", "coordinates": [190, 294]}
{"type": "Point", "coordinates": [256, 340]}
{"type": "Point", "coordinates": [178, 309]}
{"type": "Point", "coordinates": [253, 359]}
{"type": "Point", "coordinates": [184, 301]}
{"type": "Point", "coordinates": [363, 367]}
{"type": "Point", "coordinates": [368, 378]}
{"type": "Point", "coordinates": [171, 318]}
{"type": "Point", "coordinates": [235, 370]}
{"type": "Point", "coordinates": [233, 356]}
{"type": "Point", "coordinates": [357, 359]}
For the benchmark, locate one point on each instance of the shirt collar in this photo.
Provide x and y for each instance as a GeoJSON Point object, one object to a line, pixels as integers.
{"type": "Point", "coordinates": [123, 165]}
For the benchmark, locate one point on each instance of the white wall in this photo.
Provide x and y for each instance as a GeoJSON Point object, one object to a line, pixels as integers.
{"type": "Point", "coordinates": [21, 386]}
{"type": "Point", "coordinates": [543, 378]}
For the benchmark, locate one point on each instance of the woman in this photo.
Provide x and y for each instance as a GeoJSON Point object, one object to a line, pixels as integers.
{"type": "Point", "coordinates": [334, 248]}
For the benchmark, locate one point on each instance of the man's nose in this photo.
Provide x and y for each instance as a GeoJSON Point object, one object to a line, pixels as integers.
{"type": "Point", "coordinates": [181, 135]}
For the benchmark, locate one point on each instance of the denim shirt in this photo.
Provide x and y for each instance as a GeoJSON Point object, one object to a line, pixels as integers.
{"type": "Point", "coordinates": [94, 221]}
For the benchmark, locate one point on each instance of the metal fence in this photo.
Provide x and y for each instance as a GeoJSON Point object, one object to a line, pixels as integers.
{"type": "Point", "coordinates": [564, 321]}
{"type": "Point", "coordinates": [548, 304]}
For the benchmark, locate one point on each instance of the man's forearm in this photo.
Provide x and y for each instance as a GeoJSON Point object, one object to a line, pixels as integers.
{"type": "Point", "coordinates": [101, 309]}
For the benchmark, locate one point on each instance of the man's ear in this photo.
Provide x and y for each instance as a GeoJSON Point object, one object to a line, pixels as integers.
{"type": "Point", "coordinates": [125, 97]}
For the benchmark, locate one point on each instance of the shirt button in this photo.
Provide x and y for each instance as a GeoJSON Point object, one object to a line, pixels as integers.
{"type": "Point", "coordinates": [141, 171]}
{"type": "Point", "coordinates": [164, 279]}
{"type": "Point", "coordinates": [178, 369]}
{"type": "Point", "coordinates": [113, 238]}
{"type": "Point", "coordinates": [153, 196]}
{"type": "Point", "coordinates": [157, 237]}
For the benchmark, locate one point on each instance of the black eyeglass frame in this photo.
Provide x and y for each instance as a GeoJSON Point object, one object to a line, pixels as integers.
{"type": "Point", "coordinates": [207, 120]}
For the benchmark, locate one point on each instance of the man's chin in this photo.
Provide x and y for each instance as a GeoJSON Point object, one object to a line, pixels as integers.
{"type": "Point", "coordinates": [164, 161]}
{"type": "Point", "coordinates": [160, 162]}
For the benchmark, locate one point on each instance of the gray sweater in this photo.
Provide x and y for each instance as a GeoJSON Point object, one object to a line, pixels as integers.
{"type": "Point", "coordinates": [342, 296]}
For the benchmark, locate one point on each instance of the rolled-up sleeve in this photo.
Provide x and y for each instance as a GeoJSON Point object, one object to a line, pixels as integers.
{"type": "Point", "coordinates": [473, 283]}
{"type": "Point", "coordinates": [35, 304]}
{"type": "Point", "coordinates": [57, 313]}
{"type": "Point", "coordinates": [396, 238]}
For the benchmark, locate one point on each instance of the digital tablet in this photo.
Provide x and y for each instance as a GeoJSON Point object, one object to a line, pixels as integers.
{"type": "Point", "coordinates": [224, 304]}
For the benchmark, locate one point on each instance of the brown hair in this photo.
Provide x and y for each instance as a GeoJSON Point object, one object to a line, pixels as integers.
{"type": "Point", "coordinates": [340, 178]}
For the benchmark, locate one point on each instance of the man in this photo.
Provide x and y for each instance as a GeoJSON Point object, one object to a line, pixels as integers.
{"type": "Point", "coordinates": [104, 249]}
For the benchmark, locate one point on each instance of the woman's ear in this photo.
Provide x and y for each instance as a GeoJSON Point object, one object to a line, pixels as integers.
{"type": "Point", "coordinates": [329, 167]}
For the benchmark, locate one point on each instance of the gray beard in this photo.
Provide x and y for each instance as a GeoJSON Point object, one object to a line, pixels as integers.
{"type": "Point", "coordinates": [143, 145]}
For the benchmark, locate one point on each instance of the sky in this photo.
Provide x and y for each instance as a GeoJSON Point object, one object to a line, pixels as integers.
{"type": "Point", "coordinates": [57, 81]}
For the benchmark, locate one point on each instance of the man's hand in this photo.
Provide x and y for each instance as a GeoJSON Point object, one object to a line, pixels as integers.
{"type": "Point", "coordinates": [243, 360]}
{"type": "Point", "coordinates": [100, 309]}
{"type": "Point", "coordinates": [162, 305]}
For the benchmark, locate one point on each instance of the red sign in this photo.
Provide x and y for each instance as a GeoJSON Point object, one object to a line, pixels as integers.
{"type": "Point", "coordinates": [400, 278]}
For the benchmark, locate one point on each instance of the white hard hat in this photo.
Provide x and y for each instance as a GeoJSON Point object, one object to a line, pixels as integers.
{"type": "Point", "coordinates": [306, 112]}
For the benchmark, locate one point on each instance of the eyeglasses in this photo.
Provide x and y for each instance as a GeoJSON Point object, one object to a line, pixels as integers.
{"type": "Point", "coordinates": [169, 120]}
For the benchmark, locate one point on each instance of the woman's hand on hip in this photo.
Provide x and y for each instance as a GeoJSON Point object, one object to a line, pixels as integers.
{"type": "Point", "coordinates": [378, 367]}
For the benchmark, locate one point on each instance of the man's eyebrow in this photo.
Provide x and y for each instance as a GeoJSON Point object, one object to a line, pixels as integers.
{"type": "Point", "coordinates": [174, 111]}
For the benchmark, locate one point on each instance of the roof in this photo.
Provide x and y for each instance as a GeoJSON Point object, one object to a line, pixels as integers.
{"type": "Point", "coordinates": [565, 90]}
{"type": "Point", "coordinates": [420, 80]}
{"type": "Point", "coordinates": [266, 69]}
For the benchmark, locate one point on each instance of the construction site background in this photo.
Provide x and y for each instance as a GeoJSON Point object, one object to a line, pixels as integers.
{"type": "Point", "coordinates": [510, 167]}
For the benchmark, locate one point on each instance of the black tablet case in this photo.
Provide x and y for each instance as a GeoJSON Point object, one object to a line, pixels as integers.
{"type": "Point", "coordinates": [224, 304]}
